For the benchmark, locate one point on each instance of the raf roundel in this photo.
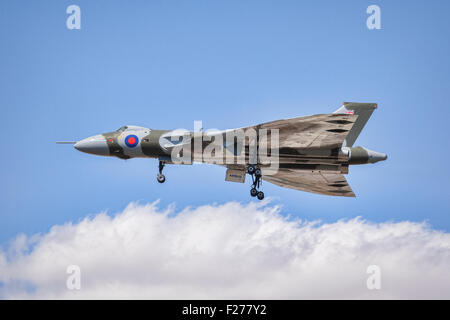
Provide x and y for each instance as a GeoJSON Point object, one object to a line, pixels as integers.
{"type": "Point", "coordinates": [131, 141]}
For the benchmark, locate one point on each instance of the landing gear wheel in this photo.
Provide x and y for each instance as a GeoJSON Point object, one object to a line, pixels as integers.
{"type": "Point", "coordinates": [161, 178]}
{"type": "Point", "coordinates": [260, 195]}
{"type": "Point", "coordinates": [256, 174]}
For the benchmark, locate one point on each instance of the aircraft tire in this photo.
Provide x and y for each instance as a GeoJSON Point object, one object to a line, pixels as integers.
{"type": "Point", "coordinates": [161, 178]}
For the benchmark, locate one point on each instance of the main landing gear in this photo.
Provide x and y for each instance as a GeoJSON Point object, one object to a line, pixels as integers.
{"type": "Point", "coordinates": [160, 177]}
{"type": "Point", "coordinates": [255, 172]}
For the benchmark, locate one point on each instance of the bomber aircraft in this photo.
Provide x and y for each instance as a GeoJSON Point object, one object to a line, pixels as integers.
{"type": "Point", "coordinates": [311, 153]}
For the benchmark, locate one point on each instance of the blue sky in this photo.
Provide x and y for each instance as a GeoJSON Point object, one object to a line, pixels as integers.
{"type": "Point", "coordinates": [164, 64]}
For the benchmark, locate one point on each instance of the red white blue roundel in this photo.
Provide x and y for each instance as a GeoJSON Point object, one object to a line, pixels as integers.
{"type": "Point", "coordinates": [131, 141]}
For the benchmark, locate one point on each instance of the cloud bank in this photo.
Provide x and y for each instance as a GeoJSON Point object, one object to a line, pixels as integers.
{"type": "Point", "coordinates": [248, 251]}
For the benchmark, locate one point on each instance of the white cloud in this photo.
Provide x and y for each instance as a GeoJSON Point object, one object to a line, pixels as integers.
{"type": "Point", "coordinates": [226, 251]}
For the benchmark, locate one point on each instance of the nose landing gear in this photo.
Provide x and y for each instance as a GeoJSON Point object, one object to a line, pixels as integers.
{"type": "Point", "coordinates": [160, 177]}
{"type": "Point", "coordinates": [256, 175]}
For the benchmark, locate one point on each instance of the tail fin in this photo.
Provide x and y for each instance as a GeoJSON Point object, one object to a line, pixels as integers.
{"type": "Point", "coordinates": [364, 111]}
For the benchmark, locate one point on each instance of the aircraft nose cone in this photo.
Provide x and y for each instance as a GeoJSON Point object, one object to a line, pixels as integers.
{"type": "Point", "coordinates": [93, 145]}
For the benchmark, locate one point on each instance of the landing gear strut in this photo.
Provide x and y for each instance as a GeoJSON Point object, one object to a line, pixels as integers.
{"type": "Point", "coordinates": [255, 172]}
{"type": "Point", "coordinates": [160, 177]}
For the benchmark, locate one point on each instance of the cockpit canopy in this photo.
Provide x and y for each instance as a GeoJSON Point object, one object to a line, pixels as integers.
{"type": "Point", "coordinates": [122, 129]}
{"type": "Point", "coordinates": [129, 127]}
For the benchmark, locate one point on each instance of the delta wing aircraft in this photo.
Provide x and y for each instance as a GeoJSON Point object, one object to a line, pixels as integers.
{"type": "Point", "coordinates": [311, 153]}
